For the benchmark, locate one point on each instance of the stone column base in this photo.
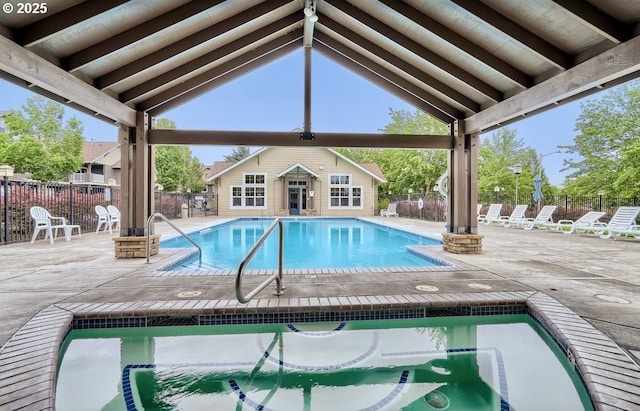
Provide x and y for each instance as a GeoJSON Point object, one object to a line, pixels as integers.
{"type": "Point", "coordinates": [462, 243]}
{"type": "Point", "coordinates": [136, 247]}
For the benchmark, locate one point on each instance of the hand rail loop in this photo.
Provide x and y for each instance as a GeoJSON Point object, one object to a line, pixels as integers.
{"type": "Point", "coordinates": [151, 219]}
{"type": "Point", "coordinates": [247, 259]}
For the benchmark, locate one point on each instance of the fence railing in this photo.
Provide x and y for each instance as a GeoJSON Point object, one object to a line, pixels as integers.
{"type": "Point", "coordinates": [567, 207]}
{"type": "Point", "coordinates": [75, 202]}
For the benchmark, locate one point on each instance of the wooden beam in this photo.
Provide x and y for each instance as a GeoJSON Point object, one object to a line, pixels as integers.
{"type": "Point", "coordinates": [290, 139]}
{"type": "Point", "coordinates": [402, 65]}
{"type": "Point", "coordinates": [617, 62]}
{"type": "Point", "coordinates": [198, 83]}
{"type": "Point", "coordinates": [387, 80]}
{"type": "Point", "coordinates": [33, 69]}
{"type": "Point", "coordinates": [608, 27]}
{"type": "Point", "coordinates": [208, 58]}
{"type": "Point", "coordinates": [137, 33]}
{"type": "Point", "coordinates": [217, 77]}
{"type": "Point", "coordinates": [537, 45]}
{"type": "Point", "coordinates": [165, 53]}
{"type": "Point", "coordinates": [41, 30]}
{"type": "Point", "coordinates": [519, 78]}
{"type": "Point", "coordinates": [413, 46]}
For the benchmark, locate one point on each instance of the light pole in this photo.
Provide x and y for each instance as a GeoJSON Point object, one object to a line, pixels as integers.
{"type": "Point", "coordinates": [540, 174]}
{"type": "Point", "coordinates": [6, 171]}
{"type": "Point", "coordinates": [517, 170]}
{"type": "Point", "coordinates": [600, 194]}
{"type": "Point", "coordinates": [496, 190]}
{"type": "Point", "coordinates": [189, 213]}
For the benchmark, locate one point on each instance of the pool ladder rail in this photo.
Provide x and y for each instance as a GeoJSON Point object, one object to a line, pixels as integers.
{"type": "Point", "coordinates": [247, 259]}
{"type": "Point", "coordinates": [150, 230]}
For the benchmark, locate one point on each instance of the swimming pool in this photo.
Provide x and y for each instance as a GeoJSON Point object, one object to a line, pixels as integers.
{"type": "Point", "coordinates": [504, 362]}
{"type": "Point", "coordinates": [309, 243]}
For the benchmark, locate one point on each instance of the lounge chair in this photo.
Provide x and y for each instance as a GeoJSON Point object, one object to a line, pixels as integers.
{"type": "Point", "coordinates": [390, 212]}
{"type": "Point", "coordinates": [584, 224]}
{"type": "Point", "coordinates": [516, 218]}
{"type": "Point", "coordinates": [104, 219]}
{"type": "Point", "coordinates": [544, 217]}
{"type": "Point", "coordinates": [493, 214]}
{"type": "Point", "coordinates": [114, 216]}
{"type": "Point", "coordinates": [623, 222]}
{"type": "Point", "coordinates": [478, 210]}
{"type": "Point", "coordinates": [43, 221]}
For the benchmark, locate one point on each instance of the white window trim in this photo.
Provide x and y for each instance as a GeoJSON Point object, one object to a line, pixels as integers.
{"type": "Point", "coordinates": [244, 185]}
{"type": "Point", "coordinates": [350, 187]}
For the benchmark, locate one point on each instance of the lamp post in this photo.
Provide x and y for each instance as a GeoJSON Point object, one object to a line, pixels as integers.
{"type": "Point", "coordinates": [517, 170]}
{"type": "Point", "coordinates": [600, 194]}
{"type": "Point", "coordinates": [6, 171]}
{"type": "Point", "coordinates": [189, 213]}
{"type": "Point", "coordinates": [496, 190]}
{"type": "Point", "coordinates": [160, 188]}
{"type": "Point", "coordinates": [540, 172]}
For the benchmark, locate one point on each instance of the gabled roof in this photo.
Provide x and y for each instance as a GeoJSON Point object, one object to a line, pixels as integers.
{"type": "Point", "coordinates": [377, 176]}
{"type": "Point", "coordinates": [373, 168]}
{"type": "Point", "coordinates": [293, 167]}
{"type": "Point", "coordinates": [92, 151]}
{"type": "Point", "coordinates": [485, 63]}
{"type": "Point", "coordinates": [217, 167]}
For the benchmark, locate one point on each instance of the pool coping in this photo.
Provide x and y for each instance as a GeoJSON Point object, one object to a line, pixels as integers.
{"type": "Point", "coordinates": [28, 360]}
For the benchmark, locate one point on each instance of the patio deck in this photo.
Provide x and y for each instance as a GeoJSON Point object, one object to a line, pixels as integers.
{"type": "Point", "coordinates": [596, 278]}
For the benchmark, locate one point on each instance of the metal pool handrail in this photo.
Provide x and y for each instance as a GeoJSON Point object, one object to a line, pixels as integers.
{"type": "Point", "coordinates": [247, 259]}
{"type": "Point", "coordinates": [150, 220]}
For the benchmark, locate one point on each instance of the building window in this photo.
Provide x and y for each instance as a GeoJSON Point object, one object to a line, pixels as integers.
{"type": "Point", "coordinates": [342, 194]}
{"type": "Point", "coordinates": [252, 192]}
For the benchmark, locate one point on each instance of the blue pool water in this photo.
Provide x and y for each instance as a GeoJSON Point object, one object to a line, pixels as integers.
{"type": "Point", "coordinates": [308, 243]}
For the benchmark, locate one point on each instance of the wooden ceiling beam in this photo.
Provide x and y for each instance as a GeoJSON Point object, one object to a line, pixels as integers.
{"type": "Point", "coordinates": [42, 29]}
{"type": "Point", "coordinates": [594, 73]}
{"type": "Point", "coordinates": [292, 139]}
{"type": "Point", "coordinates": [519, 78]}
{"type": "Point", "coordinates": [80, 59]}
{"type": "Point", "coordinates": [402, 65]}
{"type": "Point", "coordinates": [22, 63]}
{"type": "Point", "coordinates": [608, 27]}
{"type": "Point", "coordinates": [413, 46]}
{"type": "Point", "coordinates": [537, 45]}
{"type": "Point", "coordinates": [162, 98]}
{"type": "Point", "coordinates": [387, 80]}
{"type": "Point", "coordinates": [208, 58]}
{"type": "Point", "coordinates": [219, 76]}
{"type": "Point", "coordinates": [148, 61]}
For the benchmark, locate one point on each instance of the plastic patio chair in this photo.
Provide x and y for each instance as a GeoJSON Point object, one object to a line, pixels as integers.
{"type": "Point", "coordinates": [516, 218]}
{"type": "Point", "coordinates": [114, 215]}
{"type": "Point", "coordinates": [623, 222]}
{"type": "Point", "coordinates": [584, 224]}
{"type": "Point", "coordinates": [43, 221]}
{"type": "Point", "coordinates": [544, 217]}
{"type": "Point", "coordinates": [493, 214]}
{"type": "Point", "coordinates": [390, 212]}
{"type": "Point", "coordinates": [103, 219]}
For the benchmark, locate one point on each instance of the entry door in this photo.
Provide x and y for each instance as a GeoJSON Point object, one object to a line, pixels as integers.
{"type": "Point", "coordinates": [294, 201]}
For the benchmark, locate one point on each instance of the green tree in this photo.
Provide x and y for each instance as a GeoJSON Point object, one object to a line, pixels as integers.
{"type": "Point", "coordinates": [406, 168]}
{"type": "Point", "coordinates": [237, 154]}
{"type": "Point", "coordinates": [176, 168]}
{"type": "Point", "coordinates": [38, 141]}
{"type": "Point", "coordinates": [498, 154]}
{"type": "Point", "coordinates": [607, 145]}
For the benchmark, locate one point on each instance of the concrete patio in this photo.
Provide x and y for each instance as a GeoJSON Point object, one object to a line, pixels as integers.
{"type": "Point", "coordinates": [596, 278]}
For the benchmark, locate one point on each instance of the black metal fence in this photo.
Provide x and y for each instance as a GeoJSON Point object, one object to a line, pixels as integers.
{"type": "Point", "coordinates": [74, 202]}
{"type": "Point", "coordinates": [567, 207]}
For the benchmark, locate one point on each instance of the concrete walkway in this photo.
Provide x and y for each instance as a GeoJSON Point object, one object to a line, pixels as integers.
{"type": "Point", "coordinates": [599, 279]}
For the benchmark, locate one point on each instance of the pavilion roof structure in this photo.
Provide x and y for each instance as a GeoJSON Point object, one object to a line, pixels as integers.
{"type": "Point", "coordinates": [483, 63]}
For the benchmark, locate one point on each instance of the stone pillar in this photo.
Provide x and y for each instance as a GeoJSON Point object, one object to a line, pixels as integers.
{"type": "Point", "coordinates": [462, 243]}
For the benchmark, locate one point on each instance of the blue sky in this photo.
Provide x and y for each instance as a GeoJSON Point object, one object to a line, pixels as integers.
{"type": "Point", "coordinates": [271, 98]}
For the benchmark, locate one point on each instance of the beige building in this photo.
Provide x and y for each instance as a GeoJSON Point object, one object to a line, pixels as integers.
{"type": "Point", "coordinates": [294, 181]}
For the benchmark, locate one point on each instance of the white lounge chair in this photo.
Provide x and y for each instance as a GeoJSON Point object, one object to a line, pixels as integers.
{"type": "Point", "coordinates": [478, 210]}
{"type": "Point", "coordinates": [493, 214]}
{"type": "Point", "coordinates": [544, 217]}
{"type": "Point", "coordinates": [623, 222]}
{"type": "Point", "coordinates": [584, 224]}
{"type": "Point", "coordinates": [390, 212]}
{"type": "Point", "coordinates": [516, 218]}
{"type": "Point", "coordinates": [104, 219]}
{"type": "Point", "coordinates": [114, 216]}
{"type": "Point", "coordinates": [43, 221]}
